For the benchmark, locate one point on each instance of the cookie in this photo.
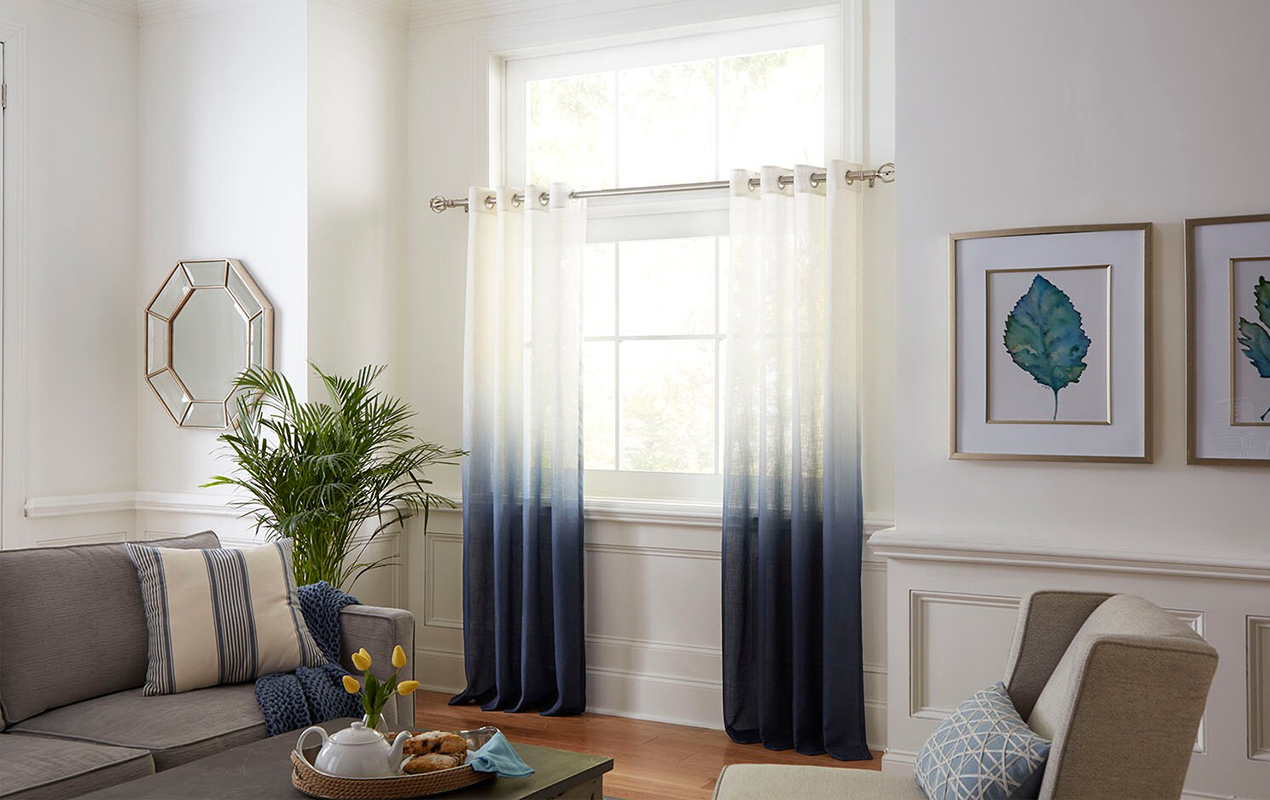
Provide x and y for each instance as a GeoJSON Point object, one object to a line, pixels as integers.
{"type": "Point", "coordinates": [430, 762]}
{"type": "Point", "coordinates": [435, 742]}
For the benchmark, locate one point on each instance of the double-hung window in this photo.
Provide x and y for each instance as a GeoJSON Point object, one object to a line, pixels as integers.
{"type": "Point", "coordinates": [675, 110]}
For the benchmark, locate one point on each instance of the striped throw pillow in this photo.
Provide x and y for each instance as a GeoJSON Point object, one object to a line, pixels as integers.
{"type": "Point", "coordinates": [220, 616]}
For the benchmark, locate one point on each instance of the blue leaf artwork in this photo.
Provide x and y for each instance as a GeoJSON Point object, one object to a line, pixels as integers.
{"type": "Point", "coordinates": [1045, 339]}
{"type": "Point", "coordinates": [1255, 338]}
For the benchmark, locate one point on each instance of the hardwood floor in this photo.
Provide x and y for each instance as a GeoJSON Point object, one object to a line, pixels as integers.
{"type": "Point", "coordinates": [651, 760]}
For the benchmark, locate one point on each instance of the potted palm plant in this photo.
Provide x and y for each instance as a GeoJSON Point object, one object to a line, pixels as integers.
{"type": "Point", "coordinates": [330, 476]}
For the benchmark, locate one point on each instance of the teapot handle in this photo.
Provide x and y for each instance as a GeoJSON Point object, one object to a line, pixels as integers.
{"type": "Point", "coordinates": [299, 743]}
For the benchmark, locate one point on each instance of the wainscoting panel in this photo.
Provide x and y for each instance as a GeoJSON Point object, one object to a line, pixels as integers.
{"type": "Point", "coordinates": [953, 609]}
{"type": "Point", "coordinates": [654, 647]}
{"type": "Point", "coordinates": [945, 626]}
{"type": "Point", "coordinates": [1259, 688]}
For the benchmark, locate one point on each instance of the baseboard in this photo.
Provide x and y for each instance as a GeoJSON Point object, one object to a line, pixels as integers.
{"type": "Point", "coordinates": [624, 693]}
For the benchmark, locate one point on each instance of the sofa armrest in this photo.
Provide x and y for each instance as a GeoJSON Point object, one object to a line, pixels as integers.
{"type": "Point", "coordinates": [1047, 623]}
{"type": "Point", "coordinates": [379, 630]}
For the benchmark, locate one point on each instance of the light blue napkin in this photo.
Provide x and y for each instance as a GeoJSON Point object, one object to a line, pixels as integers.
{"type": "Point", "coordinates": [498, 756]}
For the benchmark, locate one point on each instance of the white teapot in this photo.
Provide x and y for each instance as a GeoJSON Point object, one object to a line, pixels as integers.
{"type": "Point", "coordinates": [356, 752]}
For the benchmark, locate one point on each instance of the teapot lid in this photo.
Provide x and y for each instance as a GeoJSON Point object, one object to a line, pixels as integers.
{"type": "Point", "coordinates": [357, 733]}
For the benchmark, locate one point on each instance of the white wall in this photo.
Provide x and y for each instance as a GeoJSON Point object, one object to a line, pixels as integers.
{"type": "Point", "coordinates": [1014, 114]}
{"type": "Point", "coordinates": [1018, 114]}
{"type": "Point", "coordinates": [272, 132]}
{"type": "Point", "coordinates": [70, 323]}
{"type": "Point", "coordinates": [653, 571]}
{"type": "Point", "coordinates": [356, 213]}
{"type": "Point", "coordinates": [357, 189]}
{"type": "Point", "coordinates": [224, 173]}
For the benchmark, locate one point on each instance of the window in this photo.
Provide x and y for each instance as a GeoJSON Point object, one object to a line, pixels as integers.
{"type": "Point", "coordinates": [654, 281]}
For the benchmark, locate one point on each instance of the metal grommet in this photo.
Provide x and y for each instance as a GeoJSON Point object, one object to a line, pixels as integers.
{"type": "Point", "coordinates": [517, 200]}
{"type": "Point", "coordinates": [815, 184]}
{"type": "Point", "coordinates": [544, 199]}
{"type": "Point", "coordinates": [490, 202]}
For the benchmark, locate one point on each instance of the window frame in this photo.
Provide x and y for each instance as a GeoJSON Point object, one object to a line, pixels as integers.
{"type": "Point", "coordinates": [667, 216]}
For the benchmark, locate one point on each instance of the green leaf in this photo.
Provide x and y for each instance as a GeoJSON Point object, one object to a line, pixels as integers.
{"type": "Point", "coordinates": [1255, 339]}
{"type": "Point", "coordinates": [1262, 292]}
{"type": "Point", "coordinates": [1256, 344]}
{"type": "Point", "coordinates": [1044, 337]}
{"type": "Point", "coordinates": [330, 476]}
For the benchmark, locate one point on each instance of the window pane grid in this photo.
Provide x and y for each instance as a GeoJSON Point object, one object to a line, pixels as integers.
{"type": "Point", "coordinates": [656, 319]}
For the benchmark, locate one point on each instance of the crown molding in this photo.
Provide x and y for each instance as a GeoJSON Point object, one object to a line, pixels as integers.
{"type": "Point", "coordinates": [152, 12]}
{"type": "Point", "coordinates": [428, 13]}
{"type": "Point", "coordinates": [124, 11]}
{"type": "Point", "coordinates": [396, 12]}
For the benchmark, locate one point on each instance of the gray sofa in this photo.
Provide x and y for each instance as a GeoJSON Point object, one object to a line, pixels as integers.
{"type": "Point", "coordinates": [1115, 682]}
{"type": "Point", "coordinates": [73, 659]}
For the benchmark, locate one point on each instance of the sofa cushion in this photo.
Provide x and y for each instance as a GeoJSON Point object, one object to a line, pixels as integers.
{"type": "Point", "coordinates": [765, 781]}
{"type": "Point", "coordinates": [221, 616]}
{"type": "Point", "coordinates": [1122, 614]}
{"type": "Point", "coordinates": [72, 625]}
{"type": "Point", "coordinates": [175, 728]}
{"type": "Point", "coordinates": [34, 768]}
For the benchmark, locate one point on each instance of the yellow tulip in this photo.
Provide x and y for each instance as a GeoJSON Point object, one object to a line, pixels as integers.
{"type": "Point", "coordinates": [361, 660]}
{"type": "Point", "coordinates": [407, 687]}
{"type": "Point", "coordinates": [398, 657]}
{"type": "Point", "coordinates": [351, 685]}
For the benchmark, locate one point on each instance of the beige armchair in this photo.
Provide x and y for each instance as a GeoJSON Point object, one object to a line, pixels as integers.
{"type": "Point", "coordinates": [1115, 682]}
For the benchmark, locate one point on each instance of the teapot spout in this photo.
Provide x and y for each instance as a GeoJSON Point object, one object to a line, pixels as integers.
{"type": "Point", "coordinates": [395, 754]}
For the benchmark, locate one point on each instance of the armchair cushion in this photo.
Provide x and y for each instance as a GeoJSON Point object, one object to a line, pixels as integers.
{"type": "Point", "coordinates": [983, 750]}
{"type": "Point", "coordinates": [766, 781]}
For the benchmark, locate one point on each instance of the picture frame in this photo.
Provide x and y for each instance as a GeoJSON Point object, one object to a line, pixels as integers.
{"type": "Point", "coordinates": [1049, 340]}
{"type": "Point", "coordinates": [1228, 340]}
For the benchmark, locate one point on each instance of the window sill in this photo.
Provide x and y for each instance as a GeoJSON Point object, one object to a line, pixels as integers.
{"type": "Point", "coordinates": [658, 512]}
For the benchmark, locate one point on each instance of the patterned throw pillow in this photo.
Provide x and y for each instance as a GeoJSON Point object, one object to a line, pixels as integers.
{"type": "Point", "coordinates": [983, 751]}
{"type": "Point", "coordinates": [220, 616]}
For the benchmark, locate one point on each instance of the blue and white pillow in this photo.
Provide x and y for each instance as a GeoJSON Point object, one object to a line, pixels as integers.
{"type": "Point", "coordinates": [983, 751]}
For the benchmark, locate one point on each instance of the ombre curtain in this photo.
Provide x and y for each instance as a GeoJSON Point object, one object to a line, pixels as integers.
{"type": "Point", "coordinates": [792, 520]}
{"type": "Point", "coordinates": [523, 627]}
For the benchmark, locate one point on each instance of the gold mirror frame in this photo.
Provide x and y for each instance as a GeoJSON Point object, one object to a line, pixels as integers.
{"type": "Point", "coordinates": [186, 279]}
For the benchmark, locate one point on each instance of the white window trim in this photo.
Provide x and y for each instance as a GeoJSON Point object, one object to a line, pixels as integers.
{"type": "Point", "coordinates": [839, 27]}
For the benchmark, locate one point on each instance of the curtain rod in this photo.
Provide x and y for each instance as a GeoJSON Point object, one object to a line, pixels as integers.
{"type": "Point", "coordinates": [884, 173]}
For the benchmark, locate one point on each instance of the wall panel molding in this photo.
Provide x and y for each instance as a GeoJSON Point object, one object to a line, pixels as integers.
{"type": "Point", "coordinates": [926, 547]}
{"type": "Point", "coordinates": [1195, 621]}
{"type": "Point", "coordinates": [76, 504]}
{"type": "Point", "coordinates": [430, 617]}
{"type": "Point", "coordinates": [1258, 669]}
{"type": "Point", "coordinates": [920, 664]}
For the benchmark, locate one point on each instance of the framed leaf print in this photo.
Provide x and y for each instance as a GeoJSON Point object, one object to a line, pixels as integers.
{"type": "Point", "coordinates": [1228, 340]}
{"type": "Point", "coordinates": [1049, 343]}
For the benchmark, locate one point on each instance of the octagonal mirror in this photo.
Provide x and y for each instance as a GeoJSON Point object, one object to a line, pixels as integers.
{"type": "Point", "coordinates": [208, 322]}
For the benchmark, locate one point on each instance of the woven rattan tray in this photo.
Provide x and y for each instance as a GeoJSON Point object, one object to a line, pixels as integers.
{"type": "Point", "coordinates": [306, 778]}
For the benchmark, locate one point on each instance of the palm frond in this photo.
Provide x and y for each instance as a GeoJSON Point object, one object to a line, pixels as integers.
{"type": "Point", "coordinates": [321, 473]}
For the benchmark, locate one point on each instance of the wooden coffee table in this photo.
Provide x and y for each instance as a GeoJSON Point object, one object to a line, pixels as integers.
{"type": "Point", "coordinates": [262, 771]}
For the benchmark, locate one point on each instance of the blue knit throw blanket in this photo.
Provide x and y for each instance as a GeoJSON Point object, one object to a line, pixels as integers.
{"type": "Point", "coordinates": [294, 700]}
